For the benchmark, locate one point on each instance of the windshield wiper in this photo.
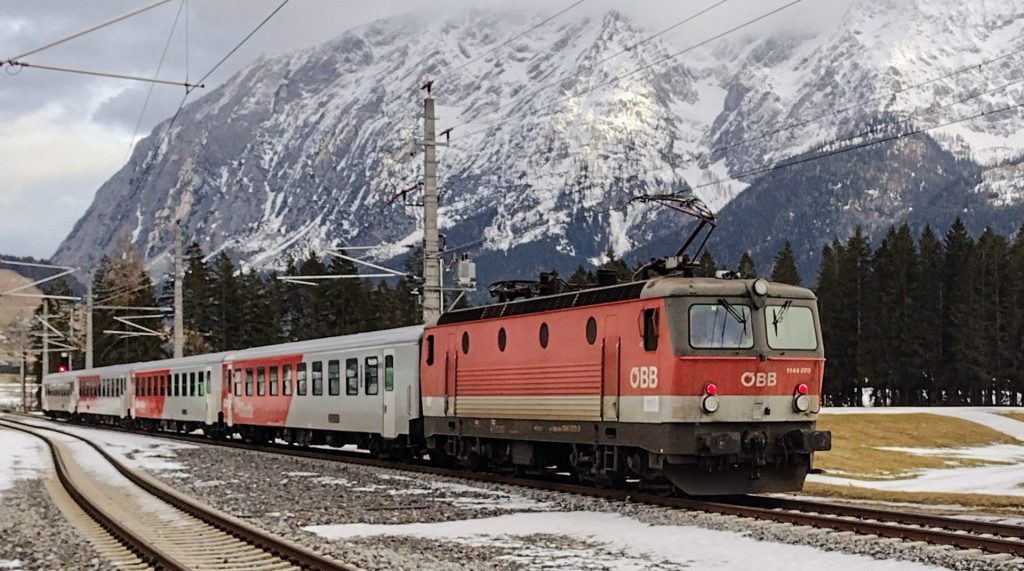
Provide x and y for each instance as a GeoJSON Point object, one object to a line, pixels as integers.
{"type": "Point", "coordinates": [734, 313]}
{"type": "Point", "coordinates": [779, 314]}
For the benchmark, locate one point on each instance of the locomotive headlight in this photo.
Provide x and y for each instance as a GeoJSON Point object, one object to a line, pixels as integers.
{"type": "Point", "coordinates": [802, 403]}
{"type": "Point", "coordinates": [710, 404]}
{"type": "Point", "coordinates": [761, 287]}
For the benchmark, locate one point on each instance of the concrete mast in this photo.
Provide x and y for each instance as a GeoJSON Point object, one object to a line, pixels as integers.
{"type": "Point", "coordinates": [432, 292]}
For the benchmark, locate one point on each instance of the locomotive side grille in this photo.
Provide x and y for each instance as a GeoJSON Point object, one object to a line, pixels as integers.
{"type": "Point", "coordinates": [547, 303]}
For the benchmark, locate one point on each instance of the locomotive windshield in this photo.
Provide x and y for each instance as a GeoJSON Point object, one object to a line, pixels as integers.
{"type": "Point", "coordinates": [722, 325]}
{"type": "Point", "coordinates": [790, 327]}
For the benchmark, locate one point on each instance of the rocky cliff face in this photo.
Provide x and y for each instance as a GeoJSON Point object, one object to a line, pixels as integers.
{"type": "Point", "coordinates": [302, 150]}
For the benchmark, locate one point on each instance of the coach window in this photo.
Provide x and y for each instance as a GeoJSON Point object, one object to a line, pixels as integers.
{"type": "Point", "coordinates": [208, 375]}
{"type": "Point", "coordinates": [273, 381]}
{"type": "Point", "coordinates": [465, 342]}
{"type": "Point", "coordinates": [164, 380]}
{"type": "Point", "coordinates": [286, 380]}
{"type": "Point", "coordinates": [176, 387]}
{"type": "Point", "coordinates": [248, 381]}
{"type": "Point", "coordinates": [430, 349]}
{"type": "Point", "coordinates": [352, 376]}
{"type": "Point", "coordinates": [389, 372]}
{"type": "Point", "coordinates": [318, 378]}
{"type": "Point", "coordinates": [201, 388]}
{"type": "Point", "coordinates": [261, 381]}
{"type": "Point", "coordinates": [192, 384]}
{"type": "Point", "coordinates": [300, 379]}
{"type": "Point", "coordinates": [651, 329]}
{"type": "Point", "coordinates": [544, 335]}
{"type": "Point", "coordinates": [502, 339]}
{"type": "Point", "coordinates": [373, 375]}
{"type": "Point", "coordinates": [238, 382]}
{"type": "Point", "coordinates": [334, 377]}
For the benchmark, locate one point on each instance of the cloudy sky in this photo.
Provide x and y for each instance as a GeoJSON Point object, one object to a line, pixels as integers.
{"type": "Point", "coordinates": [63, 135]}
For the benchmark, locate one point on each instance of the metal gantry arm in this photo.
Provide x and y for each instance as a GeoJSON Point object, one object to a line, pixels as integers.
{"type": "Point", "coordinates": [67, 270]}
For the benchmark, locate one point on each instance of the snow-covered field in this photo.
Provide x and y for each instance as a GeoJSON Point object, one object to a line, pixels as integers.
{"type": "Point", "coordinates": [1005, 478]}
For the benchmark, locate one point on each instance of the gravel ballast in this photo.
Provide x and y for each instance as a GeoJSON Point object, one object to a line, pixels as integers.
{"type": "Point", "coordinates": [285, 494]}
{"type": "Point", "coordinates": [34, 535]}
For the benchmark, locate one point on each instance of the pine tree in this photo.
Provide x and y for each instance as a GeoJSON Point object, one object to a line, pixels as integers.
{"type": "Point", "coordinates": [891, 339]}
{"type": "Point", "coordinates": [993, 290]}
{"type": "Point", "coordinates": [708, 267]}
{"type": "Point", "coordinates": [784, 267]}
{"type": "Point", "coordinates": [225, 304]}
{"type": "Point", "coordinates": [928, 300]}
{"type": "Point", "coordinates": [962, 377]}
{"type": "Point", "coordinates": [746, 266]}
{"type": "Point", "coordinates": [1015, 317]}
{"type": "Point", "coordinates": [829, 302]}
{"type": "Point", "coordinates": [124, 281]}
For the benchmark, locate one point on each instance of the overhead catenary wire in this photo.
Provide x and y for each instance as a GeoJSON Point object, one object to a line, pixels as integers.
{"type": "Point", "coordinates": [629, 73]}
{"type": "Point", "coordinates": [243, 41]}
{"type": "Point", "coordinates": [160, 65]}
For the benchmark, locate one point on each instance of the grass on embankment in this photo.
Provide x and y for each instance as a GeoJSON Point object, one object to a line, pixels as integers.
{"type": "Point", "coordinates": [1015, 415]}
{"type": "Point", "coordinates": [857, 437]}
{"type": "Point", "coordinates": [1007, 504]}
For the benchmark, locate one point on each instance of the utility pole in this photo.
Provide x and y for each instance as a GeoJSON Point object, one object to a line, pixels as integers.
{"type": "Point", "coordinates": [46, 342]}
{"type": "Point", "coordinates": [88, 322]}
{"type": "Point", "coordinates": [432, 291]}
{"type": "Point", "coordinates": [179, 272]}
{"type": "Point", "coordinates": [24, 395]}
{"type": "Point", "coordinates": [179, 320]}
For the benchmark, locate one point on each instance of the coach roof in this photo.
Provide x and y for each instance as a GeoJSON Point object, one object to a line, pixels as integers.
{"type": "Point", "coordinates": [399, 336]}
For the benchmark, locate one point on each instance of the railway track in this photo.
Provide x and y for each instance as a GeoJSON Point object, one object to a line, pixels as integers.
{"type": "Point", "coordinates": [965, 534]}
{"type": "Point", "coordinates": [161, 527]}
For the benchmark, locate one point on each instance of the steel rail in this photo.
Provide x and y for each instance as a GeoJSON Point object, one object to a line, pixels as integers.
{"type": "Point", "coordinates": [938, 530]}
{"type": "Point", "coordinates": [297, 554]}
{"type": "Point", "coordinates": [146, 551]}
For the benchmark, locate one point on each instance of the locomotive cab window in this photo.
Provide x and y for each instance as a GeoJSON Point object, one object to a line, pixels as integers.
{"type": "Point", "coordinates": [650, 327]}
{"type": "Point", "coordinates": [722, 325]}
{"type": "Point", "coordinates": [352, 377]}
{"type": "Point", "coordinates": [334, 377]}
{"type": "Point", "coordinates": [389, 372]}
{"type": "Point", "coordinates": [790, 327]}
{"type": "Point", "coordinates": [372, 375]}
{"type": "Point", "coordinates": [430, 349]}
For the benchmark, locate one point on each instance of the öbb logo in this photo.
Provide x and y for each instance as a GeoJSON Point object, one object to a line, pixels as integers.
{"type": "Point", "coordinates": [643, 377]}
{"type": "Point", "coordinates": [749, 379]}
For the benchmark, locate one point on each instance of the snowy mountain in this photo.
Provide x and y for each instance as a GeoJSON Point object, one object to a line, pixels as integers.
{"type": "Point", "coordinates": [303, 150]}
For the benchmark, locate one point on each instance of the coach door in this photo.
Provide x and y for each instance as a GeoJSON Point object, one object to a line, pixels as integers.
{"type": "Point", "coordinates": [611, 352]}
{"type": "Point", "coordinates": [390, 427]}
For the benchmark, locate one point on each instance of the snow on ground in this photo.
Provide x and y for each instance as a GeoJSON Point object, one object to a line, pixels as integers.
{"type": "Point", "coordinates": [619, 542]}
{"type": "Point", "coordinates": [22, 456]}
{"type": "Point", "coordinates": [1005, 479]}
{"type": "Point", "coordinates": [135, 450]}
